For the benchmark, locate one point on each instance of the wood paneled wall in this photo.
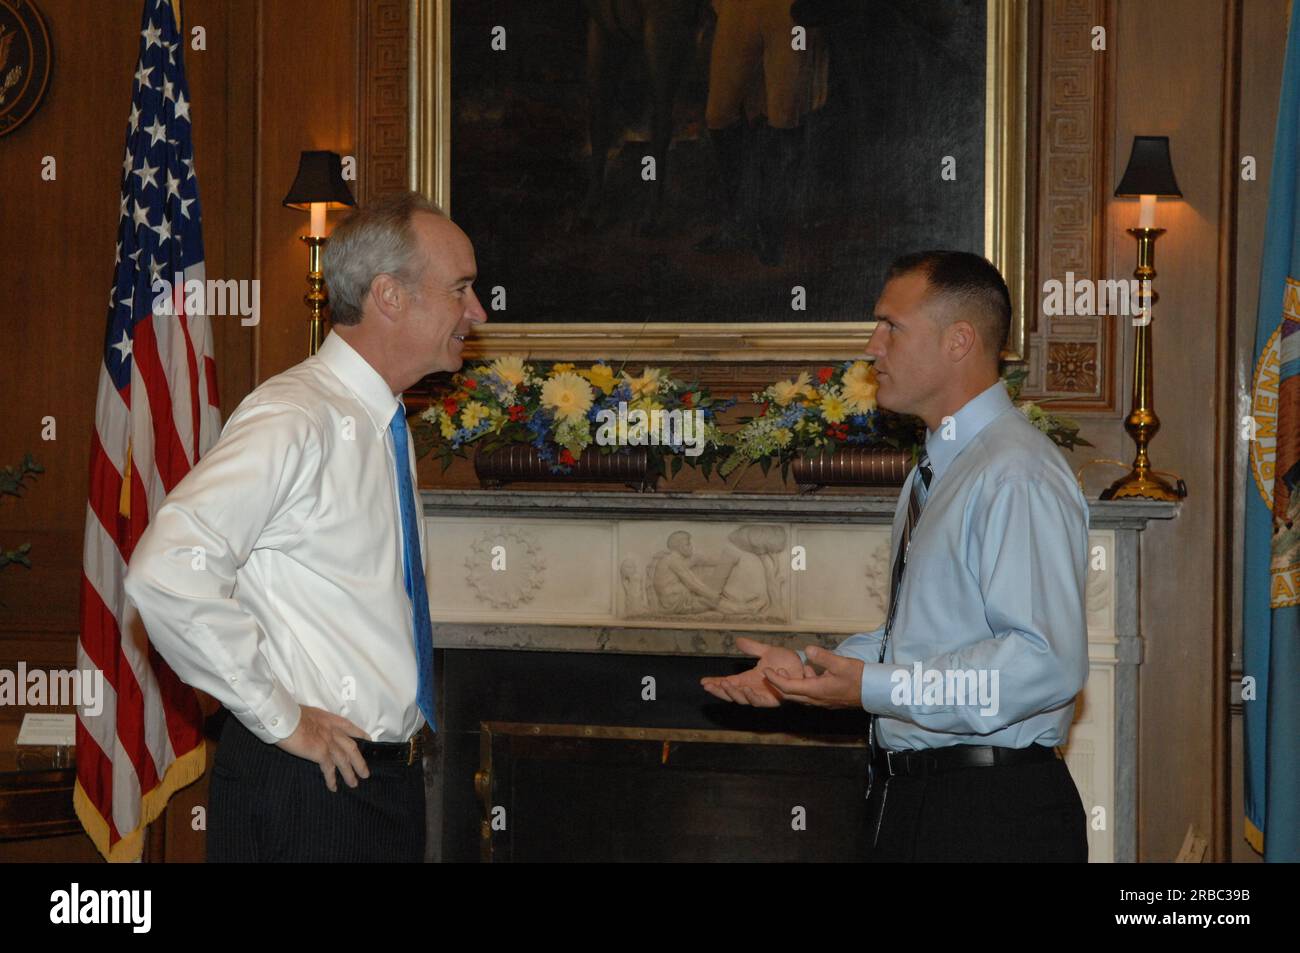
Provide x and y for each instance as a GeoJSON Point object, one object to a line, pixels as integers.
{"type": "Point", "coordinates": [56, 265]}
{"type": "Point", "coordinates": [278, 78]}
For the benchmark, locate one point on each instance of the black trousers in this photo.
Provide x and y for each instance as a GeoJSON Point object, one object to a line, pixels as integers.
{"type": "Point", "coordinates": [267, 805]}
{"type": "Point", "coordinates": [1017, 813]}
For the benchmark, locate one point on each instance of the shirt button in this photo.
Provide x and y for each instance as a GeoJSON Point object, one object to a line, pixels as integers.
{"type": "Point", "coordinates": [275, 721]}
{"type": "Point", "coordinates": [234, 678]}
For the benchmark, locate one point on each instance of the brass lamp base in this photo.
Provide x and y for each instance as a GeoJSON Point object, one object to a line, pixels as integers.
{"type": "Point", "coordinates": [315, 299]}
{"type": "Point", "coordinates": [1144, 484]}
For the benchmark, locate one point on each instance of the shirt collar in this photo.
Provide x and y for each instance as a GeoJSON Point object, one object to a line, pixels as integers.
{"type": "Point", "coordinates": [976, 414]}
{"type": "Point", "coordinates": [359, 377]}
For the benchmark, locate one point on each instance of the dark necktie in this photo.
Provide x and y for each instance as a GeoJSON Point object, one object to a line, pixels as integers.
{"type": "Point", "coordinates": [915, 503]}
{"type": "Point", "coordinates": [413, 569]}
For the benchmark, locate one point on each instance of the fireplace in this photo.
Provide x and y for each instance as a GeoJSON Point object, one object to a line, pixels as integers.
{"type": "Point", "coordinates": [597, 772]}
{"type": "Point", "coordinates": [573, 725]}
{"type": "Point", "coordinates": [603, 793]}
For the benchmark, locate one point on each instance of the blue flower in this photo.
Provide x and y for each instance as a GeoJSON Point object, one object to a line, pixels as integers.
{"type": "Point", "coordinates": [792, 416]}
{"type": "Point", "coordinates": [498, 386]}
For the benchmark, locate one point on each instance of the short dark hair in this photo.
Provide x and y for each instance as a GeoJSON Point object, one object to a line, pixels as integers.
{"type": "Point", "coordinates": [967, 281]}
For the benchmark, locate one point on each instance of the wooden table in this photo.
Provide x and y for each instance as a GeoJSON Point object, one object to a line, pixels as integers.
{"type": "Point", "coordinates": [35, 789]}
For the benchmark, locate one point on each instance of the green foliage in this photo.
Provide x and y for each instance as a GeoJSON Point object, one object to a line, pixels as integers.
{"type": "Point", "coordinates": [13, 483]}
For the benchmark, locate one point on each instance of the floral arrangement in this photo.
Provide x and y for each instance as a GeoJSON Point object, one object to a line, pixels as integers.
{"type": "Point", "coordinates": [562, 410]}
{"type": "Point", "coordinates": [801, 417]}
{"type": "Point", "coordinates": [1063, 431]}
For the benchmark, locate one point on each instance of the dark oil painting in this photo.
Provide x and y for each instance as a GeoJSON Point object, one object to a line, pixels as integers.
{"type": "Point", "coordinates": [679, 160]}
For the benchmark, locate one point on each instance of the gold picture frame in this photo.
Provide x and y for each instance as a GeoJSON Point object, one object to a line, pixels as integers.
{"type": "Point", "coordinates": [1006, 219]}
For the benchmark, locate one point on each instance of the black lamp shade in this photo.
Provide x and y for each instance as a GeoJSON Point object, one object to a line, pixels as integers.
{"type": "Point", "coordinates": [1149, 172]}
{"type": "Point", "coordinates": [320, 179]}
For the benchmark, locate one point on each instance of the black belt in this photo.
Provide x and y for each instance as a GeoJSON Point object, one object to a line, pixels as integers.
{"type": "Point", "coordinates": [919, 764]}
{"type": "Point", "coordinates": [409, 752]}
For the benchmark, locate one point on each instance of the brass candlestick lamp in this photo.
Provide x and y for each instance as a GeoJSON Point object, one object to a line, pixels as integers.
{"type": "Point", "coordinates": [318, 187]}
{"type": "Point", "coordinates": [1150, 174]}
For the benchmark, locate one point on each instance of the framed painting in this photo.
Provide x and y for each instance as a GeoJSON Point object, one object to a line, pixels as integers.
{"type": "Point", "coordinates": [717, 179]}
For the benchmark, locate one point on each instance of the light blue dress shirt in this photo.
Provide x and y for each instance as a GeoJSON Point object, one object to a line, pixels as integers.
{"type": "Point", "coordinates": [992, 600]}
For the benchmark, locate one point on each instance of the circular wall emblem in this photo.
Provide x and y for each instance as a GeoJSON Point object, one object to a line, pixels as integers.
{"type": "Point", "coordinates": [25, 62]}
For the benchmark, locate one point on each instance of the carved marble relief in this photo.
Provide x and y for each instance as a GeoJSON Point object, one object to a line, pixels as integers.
{"type": "Point", "coordinates": [693, 574]}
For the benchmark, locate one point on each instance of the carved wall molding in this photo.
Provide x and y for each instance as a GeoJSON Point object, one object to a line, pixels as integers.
{"type": "Point", "coordinates": [1073, 359]}
{"type": "Point", "coordinates": [384, 88]}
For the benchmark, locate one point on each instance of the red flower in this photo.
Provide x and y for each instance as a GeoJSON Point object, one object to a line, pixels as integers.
{"type": "Point", "coordinates": [450, 406]}
{"type": "Point", "coordinates": [517, 413]}
{"type": "Point", "coordinates": [688, 399]}
{"type": "Point", "coordinates": [567, 458]}
{"type": "Point", "coordinates": [824, 374]}
{"type": "Point", "coordinates": [470, 383]}
{"type": "Point", "coordinates": [762, 410]}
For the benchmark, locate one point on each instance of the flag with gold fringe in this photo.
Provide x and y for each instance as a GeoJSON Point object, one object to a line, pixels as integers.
{"type": "Point", "coordinates": [156, 413]}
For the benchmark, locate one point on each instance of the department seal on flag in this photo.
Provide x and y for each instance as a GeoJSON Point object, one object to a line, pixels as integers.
{"type": "Point", "coordinates": [1276, 450]}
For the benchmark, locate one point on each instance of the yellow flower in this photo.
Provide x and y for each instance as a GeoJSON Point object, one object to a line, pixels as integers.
{"type": "Point", "coordinates": [446, 426]}
{"type": "Point", "coordinates": [510, 369]}
{"type": "Point", "coordinates": [600, 376]}
{"type": "Point", "coordinates": [473, 414]}
{"type": "Point", "coordinates": [833, 409]}
{"type": "Point", "coordinates": [860, 388]}
{"type": "Point", "coordinates": [783, 437]}
{"type": "Point", "coordinates": [860, 398]}
{"type": "Point", "coordinates": [860, 369]}
{"type": "Point", "coordinates": [785, 391]}
{"type": "Point", "coordinates": [647, 384]}
{"type": "Point", "coordinates": [568, 395]}
{"type": "Point", "coordinates": [561, 369]}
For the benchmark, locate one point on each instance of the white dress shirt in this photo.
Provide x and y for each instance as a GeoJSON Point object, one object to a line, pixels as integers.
{"type": "Point", "coordinates": [271, 577]}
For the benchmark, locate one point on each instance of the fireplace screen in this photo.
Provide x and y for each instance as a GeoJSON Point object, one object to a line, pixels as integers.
{"type": "Point", "coordinates": [601, 793]}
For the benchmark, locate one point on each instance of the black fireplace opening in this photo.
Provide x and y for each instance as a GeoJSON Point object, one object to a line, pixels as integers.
{"type": "Point", "coordinates": [564, 756]}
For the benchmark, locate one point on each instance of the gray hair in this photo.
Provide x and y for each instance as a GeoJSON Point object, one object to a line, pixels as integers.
{"type": "Point", "coordinates": [375, 240]}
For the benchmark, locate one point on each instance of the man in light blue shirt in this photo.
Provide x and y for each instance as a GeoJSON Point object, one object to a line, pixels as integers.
{"type": "Point", "coordinates": [971, 681]}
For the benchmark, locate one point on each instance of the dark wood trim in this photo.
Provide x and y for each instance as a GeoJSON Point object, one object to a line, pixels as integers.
{"type": "Point", "coordinates": [1225, 436]}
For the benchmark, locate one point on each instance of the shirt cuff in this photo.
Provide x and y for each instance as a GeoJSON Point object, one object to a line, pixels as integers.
{"type": "Point", "coordinates": [878, 680]}
{"type": "Point", "coordinates": [276, 718]}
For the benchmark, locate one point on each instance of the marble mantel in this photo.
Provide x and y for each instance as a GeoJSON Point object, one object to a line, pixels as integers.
{"type": "Point", "coordinates": [615, 572]}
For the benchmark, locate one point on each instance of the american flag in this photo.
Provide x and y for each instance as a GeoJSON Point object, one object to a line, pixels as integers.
{"type": "Point", "coordinates": [157, 412]}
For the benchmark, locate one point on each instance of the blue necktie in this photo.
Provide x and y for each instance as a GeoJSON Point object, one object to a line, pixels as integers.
{"type": "Point", "coordinates": [413, 569]}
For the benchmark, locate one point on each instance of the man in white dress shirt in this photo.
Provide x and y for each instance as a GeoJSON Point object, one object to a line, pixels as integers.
{"type": "Point", "coordinates": [281, 577]}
